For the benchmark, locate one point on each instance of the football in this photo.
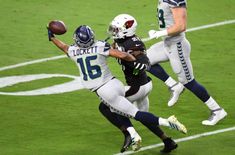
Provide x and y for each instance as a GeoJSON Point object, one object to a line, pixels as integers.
{"type": "Point", "coordinates": [57, 27]}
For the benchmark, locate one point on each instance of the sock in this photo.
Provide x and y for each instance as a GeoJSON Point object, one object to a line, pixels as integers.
{"type": "Point", "coordinates": [198, 90]}
{"type": "Point", "coordinates": [131, 131]}
{"type": "Point", "coordinates": [146, 118]}
{"type": "Point", "coordinates": [159, 72]}
{"type": "Point", "coordinates": [212, 104]}
{"type": "Point", "coordinates": [163, 122]}
{"type": "Point", "coordinates": [170, 82]}
{"type": "Point", "coordinates": [151, 122]}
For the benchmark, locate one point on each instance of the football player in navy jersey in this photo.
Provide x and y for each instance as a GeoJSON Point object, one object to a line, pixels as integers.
{"type": "Point", "coordinates": [175, 48]}
{"type": "Point", "coordinates": [122, 29]}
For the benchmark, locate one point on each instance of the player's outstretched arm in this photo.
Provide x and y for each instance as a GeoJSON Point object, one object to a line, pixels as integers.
{"type": "Point", "coordinates": [61, 45]}
{"type": "Point", "coordinates": [121, 55]}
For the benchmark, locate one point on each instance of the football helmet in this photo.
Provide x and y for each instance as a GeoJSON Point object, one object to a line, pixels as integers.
{"type": "Point", "coordinates": [83, 36]}
{"type": "Point", "coordinates": [122, 26]}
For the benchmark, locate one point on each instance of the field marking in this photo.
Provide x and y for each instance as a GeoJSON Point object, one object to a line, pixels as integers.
{"type": "Point", "coordinates": [205, 134]}
{"type": "Point", "coordinates": [211, 25]}
{"type": "Point", "coordinates": [32, 62]}
{"type": "Point", "coordinates": [72, 85]}
{"type": "Point", "coordinates": [63, 56]}
{"type": "Point", "coordinates": [200, 28]}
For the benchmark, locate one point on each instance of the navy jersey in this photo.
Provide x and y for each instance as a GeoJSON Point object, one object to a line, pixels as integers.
{"type": "Point", "coordinates": [136, 47]}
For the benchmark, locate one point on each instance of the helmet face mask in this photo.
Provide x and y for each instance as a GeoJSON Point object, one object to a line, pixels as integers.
{"type": "Point", "coordinates": [113, 30]}
{"type": "Point", "coordinates": [83, 36]}
{"type": "Point", "coordinates": [122, 26]}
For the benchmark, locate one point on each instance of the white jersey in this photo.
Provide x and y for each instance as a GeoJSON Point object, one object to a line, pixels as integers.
{"type": "Point", "coordinates": [92, 64]}
{"type": "Point", "coordinates": [165, 16]}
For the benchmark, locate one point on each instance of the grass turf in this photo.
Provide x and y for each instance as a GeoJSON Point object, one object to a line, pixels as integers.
{"type": "Point", "coordinates": [69, 123]}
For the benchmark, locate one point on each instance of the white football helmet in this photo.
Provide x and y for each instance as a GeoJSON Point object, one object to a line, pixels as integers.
{"type": "Point", "coordinates": [122, 26]}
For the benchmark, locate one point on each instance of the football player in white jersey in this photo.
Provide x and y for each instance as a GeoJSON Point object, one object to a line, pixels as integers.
{"type": "Point", "coordinates": [175, 48]}
{"type": "Point", "coordinates": [90, 57]}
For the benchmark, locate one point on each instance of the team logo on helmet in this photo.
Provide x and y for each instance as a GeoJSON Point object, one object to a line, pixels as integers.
{"type": "Point", "coordinates": [122, 26]}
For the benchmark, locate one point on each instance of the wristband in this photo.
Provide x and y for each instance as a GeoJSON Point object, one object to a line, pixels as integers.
{"type": "Point", "coordinates": [162, 33]}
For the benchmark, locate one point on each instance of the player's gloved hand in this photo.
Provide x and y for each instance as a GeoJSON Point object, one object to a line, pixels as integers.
{"type": "Point", "coordinates": [152, 34]}
{"type": "Point", "coordinates": [139, 67]}
{"type": "Point", "coordinates": [50, 34]}
{"type": "Point", "coordinates": [157, 34]}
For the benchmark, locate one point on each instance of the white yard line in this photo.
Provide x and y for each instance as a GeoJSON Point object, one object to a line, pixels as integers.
{"type": "Point", "coordinates": [32, 62]}
{"type": "Point", "coordinates": [210, 25]}
{"type": "Point", "coordinates": [200, 28]}
{"type": "Point", "coordinates": [63, 56]}
{"type": "Point", "coordinates": [205, 134]}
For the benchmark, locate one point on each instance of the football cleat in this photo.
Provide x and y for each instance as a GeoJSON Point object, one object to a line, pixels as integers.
{"type": "Point", "coordinates": [176, 90]}
{"type": "Point", "coordinates": [136, 142]}
{"type": "Point", "coordinates": [216, 116]}
{"type": "Point", "coordinates": [175, 124]}
{"type": "Point", "coordinates": [126, 144]}
{"type": "Point", "coordinates": [169, 145]}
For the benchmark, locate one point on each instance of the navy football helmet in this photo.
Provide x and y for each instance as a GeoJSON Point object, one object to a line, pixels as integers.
{"type": "Point", "coordinates": [84, 37]}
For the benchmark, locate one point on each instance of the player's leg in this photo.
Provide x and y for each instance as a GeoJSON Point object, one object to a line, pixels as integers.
{"type": "Point", "coordinates": [217, 113]}
{"type": "Point", "coordinates": [116, 101]}
{"type": "Point", "coordinates": [131, 137]}
{"type": "Point", "coordinates": [123, 123]}
{"type": "Point", "coordinates": [152, 123]}
{"type": "Point", "coordinates": [182, 66]}
{"type": "Point", "coordinates": [140, 98]}
{"type": "Point", "coordinates": [157, 54]}
{"type": "Point", "coordinates": [139, 95]}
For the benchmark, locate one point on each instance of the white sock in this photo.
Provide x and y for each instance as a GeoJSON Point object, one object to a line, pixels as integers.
{"type": "Point", "coordinates": [131, 131]}
{"type": "Point", "coordinates": [212, 104]}
{"type": "Point", "coordinates": [170, 82]}
{"type": "Point", "coordinates": [163, 122]}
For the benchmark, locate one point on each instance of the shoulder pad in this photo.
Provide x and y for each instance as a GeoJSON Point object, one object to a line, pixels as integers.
{"type": "Point", "coordinates": [107, 46]}
{"type": "Point", "coordinates": [176, 3]}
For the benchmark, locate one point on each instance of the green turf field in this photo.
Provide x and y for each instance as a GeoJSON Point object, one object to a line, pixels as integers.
{"type": "Point", "coordinates": [70, 123]}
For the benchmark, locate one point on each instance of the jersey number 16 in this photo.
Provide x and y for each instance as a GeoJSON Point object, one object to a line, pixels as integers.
{"type": "Point", "coordinates": [93, 71]}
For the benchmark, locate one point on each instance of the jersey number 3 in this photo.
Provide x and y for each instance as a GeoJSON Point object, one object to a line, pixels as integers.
{"type": "Point", "coordinates": [162, 23]}
{"type": "Point", "coordinates": [89, 70]}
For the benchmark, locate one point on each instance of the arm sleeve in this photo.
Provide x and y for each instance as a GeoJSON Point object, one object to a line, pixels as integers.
{"type": "Point", "coordinates": [70, 51]}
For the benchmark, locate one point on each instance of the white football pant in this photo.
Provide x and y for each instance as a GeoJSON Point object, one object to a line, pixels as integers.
{"type": "Point", "coordinates": [140, 99]}
{"type": "Point", "coordinates": [178, 53]}
{"type": "Point", "coordinates": [113, 93]}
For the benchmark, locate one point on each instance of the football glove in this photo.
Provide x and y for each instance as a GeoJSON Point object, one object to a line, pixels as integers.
{"type": "Point", "coordinates": [157, 34]}
{"type": "Point", "coordinates": [139, 67]}
{"type": "Point", "coordinates": [50, 34]}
